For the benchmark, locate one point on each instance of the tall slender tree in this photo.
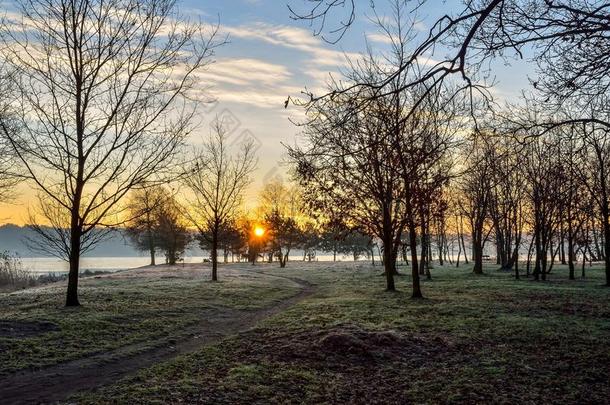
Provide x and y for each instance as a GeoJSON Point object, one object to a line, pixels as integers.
{"type": "Point", "coordinates": [106, 102]}
{"type": "Point", "coordinates": [144, 209]}
{"type": "Point", "coordinates": [217, 182]}
{"type": "Point", "coordinates": [476, 186]}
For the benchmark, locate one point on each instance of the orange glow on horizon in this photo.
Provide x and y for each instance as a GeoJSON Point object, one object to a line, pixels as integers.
{"type": "Point", "coordinates": [258, 231]}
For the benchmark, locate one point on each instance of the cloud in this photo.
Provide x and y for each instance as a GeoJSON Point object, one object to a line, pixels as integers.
{"type": "Point", "coordinates": [246, 71]}
{"type": "Point", "coordinates": [256, 81]}
{"type": "Point", "coordinates": [255, 97]}
{"type": "Point", "coordinates": [249, 81]}
{"type": "Point", "coordinates": [379, 38]}
{"type": "Point", "coordinates": [293, 38]}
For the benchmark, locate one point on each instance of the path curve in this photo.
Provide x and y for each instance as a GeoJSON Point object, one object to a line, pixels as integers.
{"type": "Point", "coordinates": [58, 382]}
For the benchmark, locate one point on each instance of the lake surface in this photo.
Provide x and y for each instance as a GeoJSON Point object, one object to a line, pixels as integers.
{"type": "Point", "coordinates": [53, 265]}
{"type": "Point", "coordinates": [45, 265]}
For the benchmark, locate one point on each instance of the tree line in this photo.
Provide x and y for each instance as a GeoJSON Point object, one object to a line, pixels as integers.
{"type": "Point", "coordinates": [98, 100]}
{"type": "Point", "coordinates": [435, 158]}
{"type": "Point", "coordinates": [407, 149]}
{"type": "Point", "coordinates": [160, 222]}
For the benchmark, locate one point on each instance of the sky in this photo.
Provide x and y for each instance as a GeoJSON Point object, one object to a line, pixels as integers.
{"type": "Point", "coordinates": [268, 57]}
{"type": "Point", "coordinates": [271, 56]}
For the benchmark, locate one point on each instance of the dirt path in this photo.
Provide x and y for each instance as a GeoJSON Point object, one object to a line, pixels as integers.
{"type": "Point", "coordinates": [58, 382]}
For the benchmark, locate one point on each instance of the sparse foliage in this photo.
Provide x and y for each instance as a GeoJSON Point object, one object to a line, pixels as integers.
{"type": "Point", "coordinates": [106, 101]}
{"type": "Point", "coordinates": [217, 181]}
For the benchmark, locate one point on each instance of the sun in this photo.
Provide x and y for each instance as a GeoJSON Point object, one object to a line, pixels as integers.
{"type": "Point", "coordinates": [258, 231]}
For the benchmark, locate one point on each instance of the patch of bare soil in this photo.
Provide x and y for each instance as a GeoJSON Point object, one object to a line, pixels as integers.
{"type": "Point", "coordinates": [350, 344]}
{"type": "Point", "coordinates": [56, 383]}
{"type": "Point", "coordinates": [387, 367]}
{"type": "Point", "coordinates": [25, 329]}
{"type": "Point", "coordinates": [362, 346]}
{"type": "Point", "coordinates": [348, 364]}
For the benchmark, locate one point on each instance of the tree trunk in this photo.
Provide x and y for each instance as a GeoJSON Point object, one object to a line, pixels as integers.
{"type": "Point", "coordinates": [518, 236]}
{"type": "Point", "coordinates": [554, 254]}
{"type": "Point", "coordinates": [151, 246]}
{"type": "Point", "coordinates": [562, 251]}
{"type": "Point", "coordinates": [472, 254]}
{"type": "Point", "coordinates": [606, 222]}
{"type": "Point", "coordinates": [538, 259]}
{"type": "Point", "coordinates": [516, 262]}
{"type": "Point", "coordinates": [544, 261]}
{"type": "Point", "coordinates": [283, 258]}
{"type": "Point", "coordinates": [529, 257]}
{"type": "Point", "coordinates": [389, 263]}
{"type": "Point", "coordinates": [571, 261]}
{"type": "Point", "coordinates": [214, 253]}
{"type": "Point", "coordinates": [423, 255]}
{"type": "Point", "coordinates": [75, 240]}
{"type": "Point", "coordinates": [464, 248]}
{"type": "Point", "coordinates": [500, 253]}
{"type": "Point", "coordinates": [414, 267]}
{"type": "Point", "coordinates": [74, 260]}
{"type": "Point", "coordinates": [171, 254]}
{"type": "Point", "coordinates": [477, 251]}
{"type": "Point", "coordinates": [598, 252]}
{"type": "Point", "coordinates": [253, 251]}
{"type": "Point", "coordinates": [571, 253]}
{"type": "Point", "coordinates": [441, 250]}
{"type": "Point", "coordinates": [457, 262]}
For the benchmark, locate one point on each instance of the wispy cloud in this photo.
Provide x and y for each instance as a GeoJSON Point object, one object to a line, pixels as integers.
{"type": "Point", "coordinates": [261, 82]}
{"type": "Point", "coordinates": [379, 38]}
{"type": "Point", "coordinates": [291, 37]}
{"type": "Point", "coordinates": [247, 71]}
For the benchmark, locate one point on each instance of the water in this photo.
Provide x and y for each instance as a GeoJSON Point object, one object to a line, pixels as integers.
{"type": "Point", "coordinates": [46, 265]}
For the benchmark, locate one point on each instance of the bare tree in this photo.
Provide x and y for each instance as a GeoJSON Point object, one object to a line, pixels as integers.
{"type": "Point", "coordinates": [568, 39]}
{"type": "Point", "coordinates": [351, 168]}
{"type": "Point", "coordinates": [576, 204]}
{"type": "Point", "coordinates": [399, 160]}
{"type": "Point", "coordinates": [597, 181]}
{"type": "Point", "coordinates": [217, 181]}
{"type": "Point", "coordinates": [506, 208]}
{"type": "Point", "coordinates": [455, 208]}
{"type": "Point", "coordinates": [106, 102]}
{"type": "Point", "coordinates": [284, 234]}
{"type": "Point", "coordinates": [143, 211]}
{"type": "Point", "coordinates": [476, 185]}
{"type": "Point", "coordinates": [544, 178]}
{"type": "Point", "coordinates": [282, 210]}
{"type": "Point", "coordinates": [174, 236]}
{"type": "Point", "coordinates": [10, 169]}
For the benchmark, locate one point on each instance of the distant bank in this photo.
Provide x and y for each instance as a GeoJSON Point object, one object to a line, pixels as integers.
{"type": "Point", "coordinates": [13, 238]}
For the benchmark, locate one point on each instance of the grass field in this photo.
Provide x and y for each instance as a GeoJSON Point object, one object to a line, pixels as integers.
{"type": "Point", "coordinates": [474, 339]}
{"type": "Point", "coordinates": [138, 306]}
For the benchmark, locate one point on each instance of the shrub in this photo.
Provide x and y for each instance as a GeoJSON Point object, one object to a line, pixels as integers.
{"type": "Point", "coordinates": [12, 273]}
